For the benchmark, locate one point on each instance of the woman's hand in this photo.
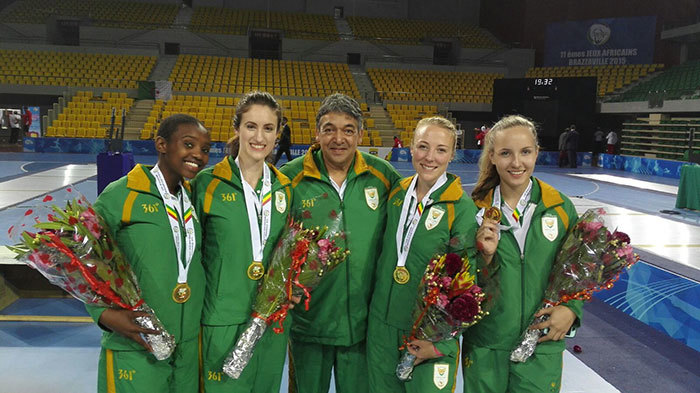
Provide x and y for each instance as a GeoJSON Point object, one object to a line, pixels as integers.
{"type": "Point", "coordinates": [295, 300]}
{"type": "Point", "coordinates": [422, 350]}
{"type": "Point", "coordinates": [124, 323]}
{"type": "Point", "coordinates": [487, 239]}
{"type": "Point", "coordinates": [560, 320]}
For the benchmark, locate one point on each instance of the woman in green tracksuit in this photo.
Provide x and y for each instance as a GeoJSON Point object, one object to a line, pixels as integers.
{"type": "Point", "coordinates": [428, 213]}
{"type": "Point", "coordinates": [243, 204]}
{"type": "Point", "coordinates": [534, 221]}
{"type": "Point", "coordinates": [164, 252]}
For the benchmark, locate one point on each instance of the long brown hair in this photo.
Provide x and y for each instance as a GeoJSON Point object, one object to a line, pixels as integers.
{"type": "Point", "coordinates": [488, 177]}
{"type": "Point", "coordinates": [253, 98]}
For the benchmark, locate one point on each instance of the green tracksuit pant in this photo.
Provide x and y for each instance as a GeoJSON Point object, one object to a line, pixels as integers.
{"type": "Point", "coordinates": [263, 374]}
{"type": "Point", "coordinates": [310, 367]}
{"type": "Point", "coordinates": [139, 371]}
{"type": "Point", "coordinates": [491, 371]}
{"type": "Point", "coordinates": [434, 375]}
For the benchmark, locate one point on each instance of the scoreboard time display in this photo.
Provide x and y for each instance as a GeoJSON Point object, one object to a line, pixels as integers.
{"type": "Point", "coordinates": [554, 103]}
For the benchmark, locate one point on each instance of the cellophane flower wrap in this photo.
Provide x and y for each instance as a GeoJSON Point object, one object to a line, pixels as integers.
{"type": "Point", "coordinates": [302, 257]}
{"type": "Point", "coordinates": [448, 301]}
{"type": "Point", "coordinates": [591, 259]}
{"type": "Point", "coordinates": [73, 249]}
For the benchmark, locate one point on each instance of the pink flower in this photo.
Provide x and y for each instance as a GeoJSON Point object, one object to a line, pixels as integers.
{"type": "Point", "coordinates": [324, 248]}
{"type": "Point", "coordinates": [442, 300]}
{"type": "Point", "coordinates": [90, 221]}
{"type": "Point", "coordinates": [446, 282]}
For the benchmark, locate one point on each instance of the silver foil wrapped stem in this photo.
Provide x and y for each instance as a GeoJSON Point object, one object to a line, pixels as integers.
{"type": "Point", "coordinates": [243, 351]}
{"type": "Point", "coordinates": [163, 343]}
{"type": "Point", "coordinates": [528, 341]}
{"type": "Point", "coordinates": [404, 370]}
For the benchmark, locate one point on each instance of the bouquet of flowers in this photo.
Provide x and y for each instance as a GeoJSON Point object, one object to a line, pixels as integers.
{"type": "Point", "coordinates": [591, 259]}
{"type": "Point", "coordinates": [300, 260]}
{"type": "Point", "coordinates": [72, 248]}
{"type": "Point", "coordinates": [448, 302]}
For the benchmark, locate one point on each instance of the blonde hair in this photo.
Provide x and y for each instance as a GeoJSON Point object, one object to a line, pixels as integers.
{"type": "Point", "coordinates": [441, 122]}
{"type": "Point", "coordinates": [488, 177]}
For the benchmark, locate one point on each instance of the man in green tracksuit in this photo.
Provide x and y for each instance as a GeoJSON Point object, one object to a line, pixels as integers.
{"type": "Point", "coordinates": [232, 280]}
{"type": "Point", "coordinates": [332, 180]}
{"type": "Point", "coordinates": [391, 318]}
{"type": "Point", "coordinates": [523, 278]}
{"type": "Point", "coordinates": [134, 210]}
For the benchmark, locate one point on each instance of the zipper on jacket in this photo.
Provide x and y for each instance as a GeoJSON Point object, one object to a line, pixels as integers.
{"type": "Point", "coordinates": [347, 275]}
{"type": "Point", "coordinates": [522, 289]}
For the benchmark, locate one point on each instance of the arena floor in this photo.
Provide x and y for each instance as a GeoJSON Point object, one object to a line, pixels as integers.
{"type": "Point", "coordinates": [643, 335]}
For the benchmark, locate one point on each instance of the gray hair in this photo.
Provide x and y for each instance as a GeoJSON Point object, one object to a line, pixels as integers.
{"type": "Point", "coordinates": [341, 103]}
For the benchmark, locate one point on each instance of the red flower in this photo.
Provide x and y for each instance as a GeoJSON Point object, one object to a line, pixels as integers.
{"type": "Point", "coordinates": [47, 198]}
{"type": "Point", "coordinates": [70, 267]}
{"type": "Point", "coordinates": [118, 282]}
{"type": "Point", "coordinates": [306, 214]}
{"type": "Point", "coordinates": [28, 212]}
{"type": "Point", "coordinates": [313, 265]}
{"type": "Point", "coordinates": [82, 288]}
{"type": "Point", "coordinates": [271, 273]}
{"type": "Point", "coordinates": [108, 254]}
{"type": "Point", "coordinates": [333, 214]}
{"type": "Point", "coordinates": [72, 221]}
{"type": "Point", "coordinates": [325, 195]}
{"type": "Point", "coordinates": [464, 308]}
{"type": "Point", "coordinates": [621, 237]}
{"type": "Point", "coordinates": [453, 264]}
{"type": "Point", "coordinates": [302, 247]}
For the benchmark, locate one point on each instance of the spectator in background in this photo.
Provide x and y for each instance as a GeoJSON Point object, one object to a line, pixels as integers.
{"type": "Point", "coordinates": [285, 142]}
{"type": "Point", "coordinates": [563, 161]}
{"type": "Point", "coordinates": [26, 122]}
{"type": "Point", "coordinates": [397, 142]}
{"type": "Point", "coordinates": [4, 119]}
{"type": "Point", "coordinates": [15, 122]}
{"type": "Point", "coordinates": [479, 136]}
{"type": "Point", "coordinates": [572, 146]}
{"type": "Point", "coordinates": [612, 141]}
{"type": "Point", "coordinates": [598, 145]}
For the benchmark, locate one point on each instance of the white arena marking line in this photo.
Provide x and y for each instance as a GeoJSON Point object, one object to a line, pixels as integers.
{"type": "Point", "coordinates": [625, 181]}
{"type": "Point", "coordinates": [31, 186]}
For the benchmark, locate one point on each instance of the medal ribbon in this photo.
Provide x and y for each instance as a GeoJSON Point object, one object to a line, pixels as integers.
{"type": "Point", "coordinates": [409, 223]}
{"type": "Point", "coordinates": [179, 212]}
{"type": "Point", "coordinates": [259, 211]}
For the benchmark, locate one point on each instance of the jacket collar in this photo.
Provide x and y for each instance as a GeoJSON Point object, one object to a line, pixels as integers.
{"type": "Point", "coordinates": [451, 191]}
{"type": "Point", "coordinates": [227, 170]}
{"type": "Point", "coordinates": [313, 163]}
{"type": "Point", "coordinates": [140, 179]}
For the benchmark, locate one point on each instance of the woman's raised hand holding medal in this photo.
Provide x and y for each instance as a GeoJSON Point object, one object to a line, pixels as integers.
{"type": "Point", "coordinates": [487, 235]}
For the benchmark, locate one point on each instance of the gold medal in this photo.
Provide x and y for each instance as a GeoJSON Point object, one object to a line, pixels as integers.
{"type": "Point", "coordinates": [181, 293]}
{"type": "Point", "coordinates": [401, 275]}
{"type": "Point", "coordinates": [493, 213]}
{"type": "Point", "coordinates": [256, 270]}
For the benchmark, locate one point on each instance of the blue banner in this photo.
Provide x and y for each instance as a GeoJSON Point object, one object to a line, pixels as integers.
{"type": "Point", "coordinates": [35, 127]}
{"type": "Point", "coordinates": [642, 165]}
{"type": "Point", "coordinates": [661, 299]}
{"type": "Point", "coordinates": [594, 42]}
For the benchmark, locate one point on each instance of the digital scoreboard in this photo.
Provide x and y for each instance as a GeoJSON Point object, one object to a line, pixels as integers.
{"type": "Point", "coordinates": [553, 103]}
